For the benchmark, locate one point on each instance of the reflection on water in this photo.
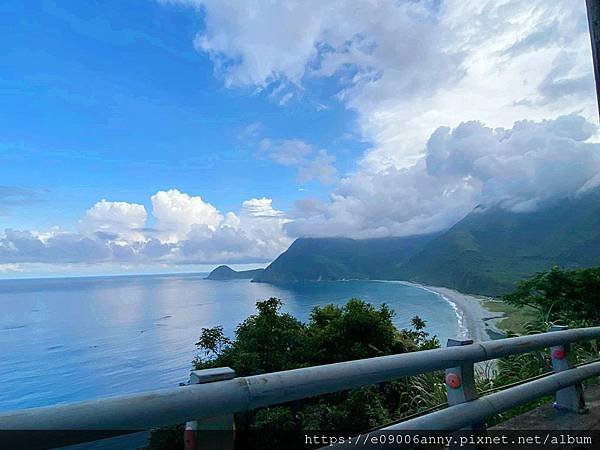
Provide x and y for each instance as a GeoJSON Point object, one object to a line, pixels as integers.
{"type": "Point", "coordinates": [71, 339]}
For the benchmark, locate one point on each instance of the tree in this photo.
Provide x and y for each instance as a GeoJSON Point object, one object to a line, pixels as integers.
{"type": "Point", "coordinates": [270, 341]}
{"type": "Point", "coordinates": [354, 331]}
{"type": "Point", "coordinates": [212, 342]}
{"type": "Point", "coordinates": [565, 296]}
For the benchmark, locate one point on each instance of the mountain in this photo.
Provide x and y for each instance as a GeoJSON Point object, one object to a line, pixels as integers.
{"type": "Point", "coordinates": [490, 249]}
{"type": "Point", "coordinates": [486, 253]}
{"type": "Point", "coordinates": [227, 273]}
{"type": "Point", "coordinates": [342, 258]}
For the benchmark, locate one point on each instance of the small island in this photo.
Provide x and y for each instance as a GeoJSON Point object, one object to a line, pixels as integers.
{"type": "Point", "coordinates": [227, 273]}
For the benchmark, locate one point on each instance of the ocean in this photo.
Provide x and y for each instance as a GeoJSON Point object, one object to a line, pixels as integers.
{"type": "Point", "coordinates": [69, 339]}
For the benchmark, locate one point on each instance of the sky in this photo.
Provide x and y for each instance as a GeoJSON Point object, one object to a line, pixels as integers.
{"type": "Point", "coordinates": [174, 135]}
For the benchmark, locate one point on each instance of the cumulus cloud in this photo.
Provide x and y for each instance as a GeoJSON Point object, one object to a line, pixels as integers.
{"type": "Point", "coordinates": [520, 169]}
{"type": "Point", "coordinates": [176, 212]}
{"type": "Point", "coordinates": [120, 220]}
{"type": "Point", "coordinates": [312, 164]}
{"type": "Point", "coordinates": [17, 246]}
{"type": "Point", "coordinates": [474, 67]}
{"type": "Point", "coordinates": [407, 67]}
{"type": "Point", "coordinates": [440, 90]}
{"type": "Point", "coordinates": [186, 230]}
{"type": "Point", "coordinates": [260, 207]}
{"type": "Point", "coordinates": [255, 235]}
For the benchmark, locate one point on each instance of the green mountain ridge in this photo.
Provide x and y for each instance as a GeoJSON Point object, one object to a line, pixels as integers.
{"type": "Point", "coordinates": [227, 273]}
{"type": "Point", "coordinates": [321, 259]}
{"type": "Point", "coordinates": [486, 252]}
{"type": "Point", "coordinates": [489, 250]}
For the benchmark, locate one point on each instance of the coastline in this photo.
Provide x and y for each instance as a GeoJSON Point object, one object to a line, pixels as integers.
{"type": "Point", "coordinates": [474, 319]}
{"type": "Point", "coordinates": [479, 323]}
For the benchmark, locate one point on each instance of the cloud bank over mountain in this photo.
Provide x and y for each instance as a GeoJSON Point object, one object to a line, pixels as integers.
{"type": "Point", "coordinates": [519, 168]}
{"type": "Point", "coordinates": [462, 102]}
{"type": "Point", "coordinates": [407, 67]}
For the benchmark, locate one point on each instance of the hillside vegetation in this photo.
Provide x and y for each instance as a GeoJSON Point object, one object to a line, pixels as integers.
{"type": "Point", "coordinates": [341, 258]}
{"type": "Point", "coordinates": [227, 273]}
{"type": "Point", "coordinates": [490, 250]}
{"type": "Point", "coordinates": [484, 253]}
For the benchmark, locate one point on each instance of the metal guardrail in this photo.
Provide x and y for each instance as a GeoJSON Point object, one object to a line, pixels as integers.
{"type": "Point", "coordinates": [181, 404]}
{"type": "Point", "coordinates": [465, 414]}
{"type": "Point", "coordinates": [176, 405]}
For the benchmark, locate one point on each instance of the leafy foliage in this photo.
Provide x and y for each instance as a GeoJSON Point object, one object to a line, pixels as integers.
{"type": "Point", "coordinates": [561, 296]}
{"type": "Point", "coordinates": [568, 297]}
{"type": "Point", "coordinates": [265, 342]}
{"type": "Point", "coordinates": [271, 341]}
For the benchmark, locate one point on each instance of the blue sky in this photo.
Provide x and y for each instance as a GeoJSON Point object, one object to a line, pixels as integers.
{"type": "Point", "coordinates": [110, 100]}
{"type": "Point", "coordinates": [169, 135]}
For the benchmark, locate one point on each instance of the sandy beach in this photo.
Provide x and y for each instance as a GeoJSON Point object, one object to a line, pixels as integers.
{"type": "Point", "coordinates": [478, 322]}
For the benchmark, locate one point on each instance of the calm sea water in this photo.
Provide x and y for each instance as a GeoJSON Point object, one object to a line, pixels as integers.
{"type": "Point", "coordinates": [72, 339]}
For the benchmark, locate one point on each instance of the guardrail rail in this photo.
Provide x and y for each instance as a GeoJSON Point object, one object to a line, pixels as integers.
{"type": "Point", "coordinates": [214, 395]}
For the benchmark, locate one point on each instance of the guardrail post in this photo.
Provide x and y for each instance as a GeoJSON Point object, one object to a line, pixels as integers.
{"type": "Point", "coordinates": [569, 398]}
{"type": "Point", "coordinates": [460, 388]}
{"type": "Point", "coordinates": [460, 382]}
{"type": "Point", "coordinates": [210, 433]}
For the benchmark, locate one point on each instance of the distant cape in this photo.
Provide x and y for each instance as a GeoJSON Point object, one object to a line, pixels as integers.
{"type": "Point", "coordinates": [227, 273]}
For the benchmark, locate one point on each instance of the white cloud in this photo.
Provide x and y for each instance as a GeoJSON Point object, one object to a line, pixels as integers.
{"type": "Point", "coordinates": [259, 207]}
{"type": "Point", "coordinates": [18, 246]}
{"type": "Point", "coordinates": [121, 219]}
{"type": "Point", "coordinates": [250, 131]}
{"type": "Point", "coordinates": [176, 212]}
{"type": "Point", "coordinates": [320, 168]}
{"type": "Point", "coordinates": [493, 86]}
{"type": "Point", "coordinates": [423, 78]}
{"type": "Point", "coordinates": [186, 230]}
{"type": "Point", "coordinates": [519, 168]}
{"type": "Point", "coordinates": [408, 68]}
{"type": "Point", "coordinates": [256, 234]}
{"type": "Point", "coordinates": [200, 233]}
{"type": "Point", "coordinates": [287, 152]}
{"type": "Point", "coordinates": [234, 31]}
{"type": "Point", "coordinates": [11, 268]}
{"type": "Point", "coordinates": [312, 164]}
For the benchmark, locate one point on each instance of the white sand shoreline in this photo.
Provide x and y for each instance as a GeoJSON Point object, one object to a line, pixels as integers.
{"type": "Point", "coordinates": [480, 323]}
{"type": "Point", "coordinates": [474, 320]}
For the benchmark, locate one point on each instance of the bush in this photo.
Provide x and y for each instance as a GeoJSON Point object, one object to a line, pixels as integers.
{"type": "Point", "coordinates": [271, 341]}
{"type": "Point", "coordinates": [571, 297]}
